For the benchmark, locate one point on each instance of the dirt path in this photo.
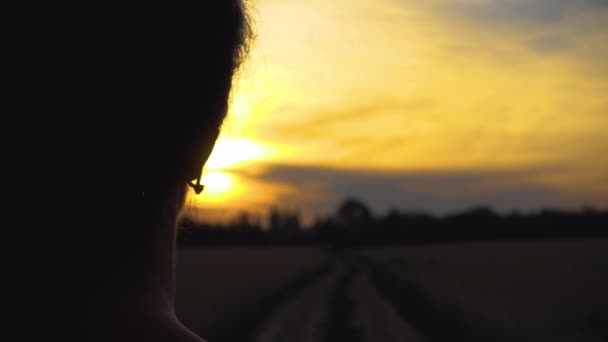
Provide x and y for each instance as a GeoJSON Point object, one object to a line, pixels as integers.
{"type": "Point", "coordinates": [307, 316]}
{"type": "Point", "coordinates": [304, 317]}
{"type": "Point", "coordinates": [374, 316]}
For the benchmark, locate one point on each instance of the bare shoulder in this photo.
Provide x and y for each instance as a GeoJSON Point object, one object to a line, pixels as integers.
{"type": "Point", "coordinates": [166, 329]}
{"type": "Point", "coordinates": [185, 334]}
{"type": "Point", "coordinates": [173, 331]}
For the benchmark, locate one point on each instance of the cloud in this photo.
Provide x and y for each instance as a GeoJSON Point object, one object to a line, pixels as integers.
{"type": "Point", "coordinates": [517, 12]}
{"type": "Point", "coordinates": [363, 72]}
{"type": "Point", "coordinates": [439, 86]}
{"type": "Point", "coordinates": [319, 189]}
{"type": "Point", "coordinates": [342, 115]}
{"type": "Point", "coordinates": [569, 27]}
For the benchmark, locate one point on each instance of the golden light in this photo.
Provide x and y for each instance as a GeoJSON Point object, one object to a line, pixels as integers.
{"type": "Point", "coordinates": [236, 148]}
{"type": "Point", "coordinates": [216, 182]}
{"type": "Point", "coordinates": [329, 85]}
{"type": "Point", "coordinates": [233, 152]}
{"type": "Point", "coordinates": [219, 187]}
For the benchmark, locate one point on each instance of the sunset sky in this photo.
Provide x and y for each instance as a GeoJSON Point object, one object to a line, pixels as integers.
{"type": "Point", "coordinates": [434, 105]}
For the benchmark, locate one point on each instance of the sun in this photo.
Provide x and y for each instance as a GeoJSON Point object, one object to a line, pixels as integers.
{"type": "Point", "coordinates": [220, 175]}
{"type": "Point", "coordinates": [235, 150]}
{"type": "Point", "coordinates": [216, 182]}
{"type": "Point", "coordinates": [220, 187]}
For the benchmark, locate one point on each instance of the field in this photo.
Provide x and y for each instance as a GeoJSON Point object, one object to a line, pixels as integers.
{"type": "Point", "coordinates": [509, 291]}
{"type": "Point", "coordinates": [218, 286]}
{"type": "Point", "coordinates": [491, 291]}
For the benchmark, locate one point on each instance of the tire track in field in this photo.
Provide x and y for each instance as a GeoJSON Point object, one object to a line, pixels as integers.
{"type": "Point", "coordinates": [374, 316]}
{"type": "Point", "coordinates": [342, 305]}
{"type": "Point", "coordinates": [304, 317]}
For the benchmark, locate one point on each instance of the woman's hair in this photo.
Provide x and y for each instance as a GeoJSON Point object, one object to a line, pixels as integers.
{"type": "Point", "coordinates": [134, 96]}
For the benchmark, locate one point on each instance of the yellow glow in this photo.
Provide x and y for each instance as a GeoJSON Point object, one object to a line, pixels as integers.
{"type": "Point", "coordinates": [229, 153]}
{"type": "Point", "coordinates": [216, 182]}
{"type": "Point", "coordinates": [378, 84]}
{"type": "Point", "coordinates": [385, 85]}
{"type": "Point", "coordinates": [219, 188]}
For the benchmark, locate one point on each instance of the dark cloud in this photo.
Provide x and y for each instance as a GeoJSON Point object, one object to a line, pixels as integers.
{"type": "Point", "coordinates": [321, 189]}
{"type": "Point", "coordinates": [553, 24]}
{"type": "Point", "coordinates": [522, 11]}
{"type": "Point", "coordinates": [574, 28]}
{"type": "Point", "coordinates": [550, 43]}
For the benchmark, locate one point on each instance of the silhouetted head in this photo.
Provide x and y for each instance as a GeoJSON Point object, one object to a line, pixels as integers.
{"type": "Point", "coordinates": [126, 102]}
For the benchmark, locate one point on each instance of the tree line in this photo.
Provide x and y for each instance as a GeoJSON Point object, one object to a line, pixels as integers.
{"type": "Point", "coordinates": [354, 225]}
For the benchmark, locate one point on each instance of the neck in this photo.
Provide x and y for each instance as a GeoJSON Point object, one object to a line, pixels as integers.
{"type": "Point", "coordinates": [139, 297]}
{"type": "Point", "coordinates": [128, 309]}
{"type": "Point", "coordinates": [127, 315]}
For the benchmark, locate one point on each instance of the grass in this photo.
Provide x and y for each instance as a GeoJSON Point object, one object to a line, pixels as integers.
{"type": "Point", "coordinates": [219, 289]}
{"type": "Point", "coordinates": [507, 291]}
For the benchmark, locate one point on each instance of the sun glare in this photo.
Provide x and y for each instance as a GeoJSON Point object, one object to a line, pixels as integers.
{"type": "Point", "coordinates": [234, 152]}
{"type": "Point", "coordinates": [219, 187]}
{"type": "Point", "coordinates": [216, 182]}
{"type": "Point", "coordinates": [235, 148]}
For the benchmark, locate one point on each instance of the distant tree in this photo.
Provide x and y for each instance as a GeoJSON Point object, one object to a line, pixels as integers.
{"type": "Point", "coordinates": [274, 218]}
{"type": "Point", "coordinates": [242, 219]}
{"type": "Point", "coordinates": [284, 223]}
{"type": "Point", "coordinates": [353, 211]}
{"type": "Point", "coordinates": [353, 224]}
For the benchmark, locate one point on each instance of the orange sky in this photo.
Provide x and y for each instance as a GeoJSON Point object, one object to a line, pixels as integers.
{"type": "Point", "coordinates": [435, 105]}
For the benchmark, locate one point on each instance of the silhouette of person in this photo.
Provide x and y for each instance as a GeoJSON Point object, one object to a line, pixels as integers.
{"type": "Point", "coordinates": [121, 105]}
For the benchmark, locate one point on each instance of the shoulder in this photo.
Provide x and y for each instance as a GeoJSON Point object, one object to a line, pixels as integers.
{"type": "Point", "coordinates": [166, 329]}
{"type": "Point", "coordinates": [169, 330]}
{"type": "Point", "coordinates": [183, 334]}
